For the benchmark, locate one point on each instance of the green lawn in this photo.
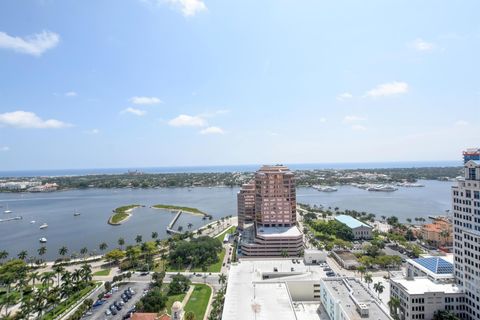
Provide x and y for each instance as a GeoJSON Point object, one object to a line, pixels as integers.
{"type": "Point", "coordinates": [198, 301]}
{"type": "Point", "coordinates": [216, 267]}
{"type": "Point", "coordinates": [104, 272]}
{"type": "Point", "coordinates": [172, 207]}
{"type": "Point", "coordinates": [119, 214]}
{"type": "Point", "coordinates": [171, 299]}
{"type": "Point", "coordinates": [230, 230]}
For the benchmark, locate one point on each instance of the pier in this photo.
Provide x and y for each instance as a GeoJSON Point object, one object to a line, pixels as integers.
{"type": "Point", "coordinates": [11, 219]}
{"type": "Point", "coordinates": [172, 223]}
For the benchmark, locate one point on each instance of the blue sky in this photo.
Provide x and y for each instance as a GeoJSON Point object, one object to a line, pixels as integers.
{"type": "Point", "coordinates": [198, 82]}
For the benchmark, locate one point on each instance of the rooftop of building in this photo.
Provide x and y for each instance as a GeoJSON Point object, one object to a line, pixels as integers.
{"type": "Point", "coordinates": [351, 222]}
{"type": "Point", "coordinates": [346, 290]}
{"type": "Point", "coordinates": [425, 285]}
{"type": "Point", "coordinates": [280, 232]}
{"type": "Point", "coordinates": [278, 168]}
{"type": "Point", "coordinates": [434, 265]}
{"type": "Point", "coordinates": [252, 297]}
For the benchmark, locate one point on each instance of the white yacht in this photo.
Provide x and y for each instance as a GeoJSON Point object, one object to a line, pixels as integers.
{"type": "Point", "coordinates": [32, 222]}
{"type": "Point", "coordinates": [382, 188]}
{"type": "Point", "coordinates": [43, 240]}
{"type": "Point", "coordinates": [44, 226]}
{"type": "Point", "coordinates": [76, 213]}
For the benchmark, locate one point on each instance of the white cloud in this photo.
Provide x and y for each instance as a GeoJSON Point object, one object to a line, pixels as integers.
{"type": "Point", "coordinates": [145, 100]}
{"type": "Point", "coordinates": [25, 119]}
{"type": "Point", "coordinates": [358, 127]}
{"type": "Point", "coordinates": [388, 89]}
{"type": "Point", "coordinates": [322, 120]}
{"type": "Point", "coordinates": [344, 96]}
{"type": "Point", "coordinates": [70, 94]}
{"type": "Point", "coordinates": [353, 119]}
{"type": "Point", "coordinates": [188, 7]}
{"type": "Point", "coordinates": [212, 130]}
{"type": "Point", "coordinates": [93, 131]}
{"type": "Point", "coordinates": [461, 123]}
{"type": "Point", "coordinates": [4, 149]}
{"type": "Point", "coordinates": [134, 111]}
{"type": "Point", "coordinates": [184, 120]}
{"type": "Point", "coordinates": [421, 45]}
{"type": "Point", "coordinates": [34, 45]}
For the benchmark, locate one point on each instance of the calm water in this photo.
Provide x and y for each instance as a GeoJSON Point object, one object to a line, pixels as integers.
{"type": "Point", "coordinates": [95, 205]}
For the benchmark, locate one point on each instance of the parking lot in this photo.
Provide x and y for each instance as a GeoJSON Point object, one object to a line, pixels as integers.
{"type": "Point", "coordinates": [99, 312]}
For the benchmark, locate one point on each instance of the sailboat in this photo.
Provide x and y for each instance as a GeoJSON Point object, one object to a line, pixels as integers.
{"type": "Point", "coordinates": [7, 211]}
{"type": "Point", "coordinates": [76, 213]}
{"type": "Point", "coordinates": [44, 226]}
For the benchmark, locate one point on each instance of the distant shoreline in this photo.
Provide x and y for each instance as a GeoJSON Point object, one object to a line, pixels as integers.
{"type": "Point", "coordinates": [227, 168]}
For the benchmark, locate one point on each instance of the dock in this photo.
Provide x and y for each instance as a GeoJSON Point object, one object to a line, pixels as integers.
{"type": "Point", "coordinates": [11, 219]}
{"type": "Point", "coordinates": [170, 229]}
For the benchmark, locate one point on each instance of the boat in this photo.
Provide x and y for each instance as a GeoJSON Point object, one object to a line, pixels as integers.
{"type": "Point", "coordinates": [382, 188]}
{"type": "Point", "coordinates": [44, 226]}
{"type": "Point", "coordinates": [7, 211]}
{"type": "Point", "coordinates": [43, 240]}
{"type": "Point", "coordinates": [76, 213]}
{"type": "Point", "coordinates": [32, 222]}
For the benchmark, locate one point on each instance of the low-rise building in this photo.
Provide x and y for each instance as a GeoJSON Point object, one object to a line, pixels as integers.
{"type": "Point", "coordinates": [346, 259]}
{"type": "Point", "coordinates": [360, 229]}
{"type": "Point", "coordinates": [282, 289]}
{"type": "Point", "coordinates": [421, 298]}
{"type": "Point", "coordinates": [439, 233]}
{"type": "Point", "coordinates": [313, 256]}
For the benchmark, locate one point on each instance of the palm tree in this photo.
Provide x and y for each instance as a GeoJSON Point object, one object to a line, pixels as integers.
{"type": "Point", "coordinates": [138, 238]}
{"type": "Point", "coordinates": [121, 242]}
{"type": "Point", "coordinates": [3, 255]}
{"type": "Point", "coordinates": [222, 278]}
{"type": "Point", "coordinates": [86, 272]}
{"type": "Point", "coordinates": [284, 253]}
{"type": "Point", "coordinates": [63, 251]}
{"type": "Point", "coordinates": [378, 287]}
{"type": "Point", "coordinates": [34, 276]}
{"type": "Point", "coordinates": [84, 252]}
{"type": "Point", "coordinates": [103, 246]}
{"type": "Point", "coordinates": [368, 279]}
{"type": "Point", "coordinates": [394, 304]}
{"type": "Point", "coordinates": [154, 235]}
{"type": "Point", "coordinates": [444, 234]}
{"type": "Point", "coordinates": [47, 279]}
{"type": "Point", "coordinates": [362, 269]}
{"type": "Point", "coordinates": [409, 220]}
{"type": "Point", "coordinates": [189, 315]}
{"type": "Point", "coordinates": [42, 250]}
{"type": "Point", "coordinates": [22, 255]}
{"type": "Point", "coordinates": [58, 270]}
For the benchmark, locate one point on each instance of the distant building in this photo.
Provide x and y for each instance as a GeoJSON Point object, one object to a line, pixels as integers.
{"type": "Point", "coordinates": [437, 269]}
{"type": "Point", "coordinates": [360, 229]}
{"type": "Point", "coordinates": [420, 298]}
{"type": "Point", "coordinates": [267, 214]}
{"type": "Point", "coordinates": [439, 233]}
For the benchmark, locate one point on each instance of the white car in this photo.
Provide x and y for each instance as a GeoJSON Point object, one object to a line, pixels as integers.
{"type": "Point", "coordinates": [108, 312]}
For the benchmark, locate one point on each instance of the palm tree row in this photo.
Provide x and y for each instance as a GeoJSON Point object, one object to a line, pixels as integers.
{"type": "Point", "coordinates": [36, 293]}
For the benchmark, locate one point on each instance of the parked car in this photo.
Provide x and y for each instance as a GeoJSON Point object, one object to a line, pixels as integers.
{"type": "Point", "coordinates": [330, 274]}
{"type": "Point", "coordinates": [97, 303]}
{"type": "Point", "coordinates": [114, 312]}
{"type": "Point", "coordinates": [108, 312]}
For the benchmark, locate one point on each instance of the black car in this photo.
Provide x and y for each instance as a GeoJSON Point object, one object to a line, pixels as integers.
{"type": "Point", "coordinates": [114, 312]}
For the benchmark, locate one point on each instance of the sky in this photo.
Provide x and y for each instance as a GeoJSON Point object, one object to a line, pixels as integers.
{"type": "Point", "coordinates": [146, 83]}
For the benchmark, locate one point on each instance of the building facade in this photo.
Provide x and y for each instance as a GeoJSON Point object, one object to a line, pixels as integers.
{"type": "Point", "coordinates": [466, 232]}
{"type": "Point", "coordinates": [246, 204]}
{"type": "Point", "coordinates": [439, 233]}
{"type": "Point", "coordinates": [267, 214]}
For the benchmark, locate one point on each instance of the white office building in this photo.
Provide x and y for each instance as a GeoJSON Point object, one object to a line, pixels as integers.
{"type": "Point", "coordinates": [420, 298]}
{"type": "Point", "coordinates": [466, 233]}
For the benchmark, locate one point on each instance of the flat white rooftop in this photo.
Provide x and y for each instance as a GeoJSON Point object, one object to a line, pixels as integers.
{"type": "Point", "coordinates": [425, 285]}
{"type": "Point", "coordinates": [279, 232]}
{"type": "Point", "coordinates": [248, 296]}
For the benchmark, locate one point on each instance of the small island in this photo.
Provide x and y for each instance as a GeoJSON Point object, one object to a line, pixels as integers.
{"type": "Point", "coordinates": [179, 208]}
{"type": "Point", "coordinates": [121, 214]}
